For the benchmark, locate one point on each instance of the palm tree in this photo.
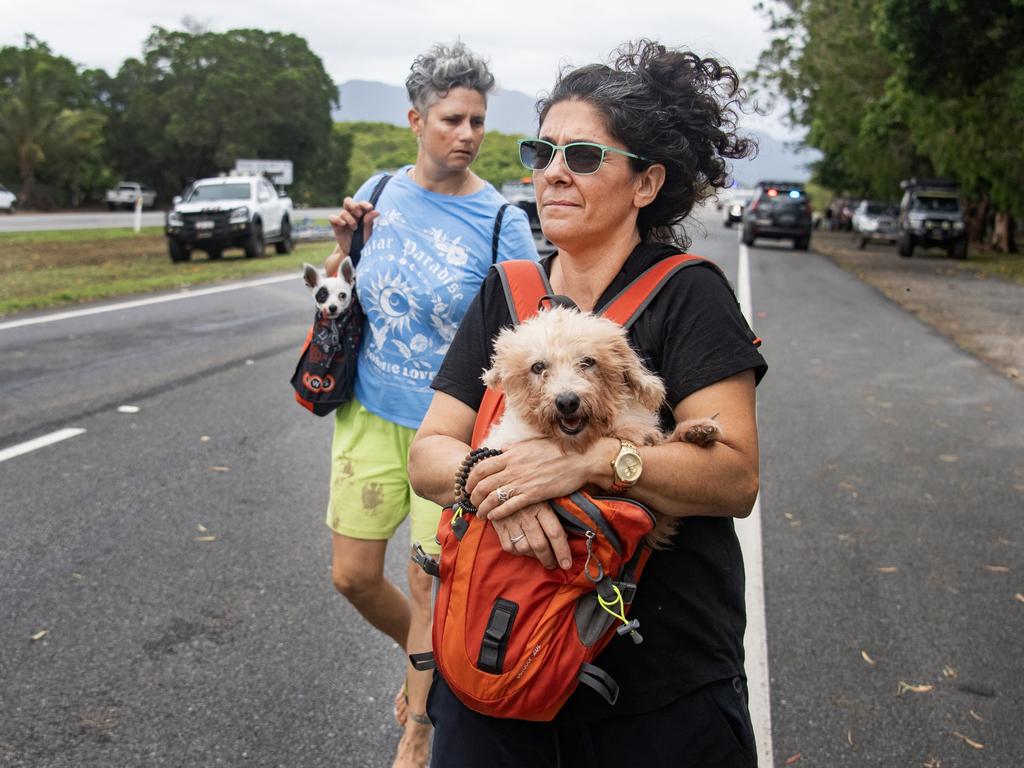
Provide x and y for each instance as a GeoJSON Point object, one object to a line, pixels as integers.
{"type": "Point", "coordinates": [34, 123]}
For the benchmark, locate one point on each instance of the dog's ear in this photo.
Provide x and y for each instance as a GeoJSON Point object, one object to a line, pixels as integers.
{"type": "Point", "coordinates": [311, 276]}
{"type": "Point", "coordinates": [491, 378]}
{"type": "Point", "coordinates": [347, 270]}
{"type": "Point", "coordinates": [648, 388]}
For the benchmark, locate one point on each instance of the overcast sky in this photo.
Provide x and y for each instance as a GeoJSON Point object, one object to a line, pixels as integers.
{"type": "Point", "coordinates": [526, 41]}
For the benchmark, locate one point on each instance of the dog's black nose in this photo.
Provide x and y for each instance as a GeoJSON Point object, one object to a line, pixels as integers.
{"type": "Point", "coordinates": [332, 308]}
{"type": "Point", "coordinates": [567, 403]}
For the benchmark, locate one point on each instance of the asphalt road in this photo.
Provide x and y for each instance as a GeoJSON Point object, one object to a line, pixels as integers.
{"type": "Point", "coordinates": [177, 560]}
{"type": "Point", "coordinates": [30, 222]}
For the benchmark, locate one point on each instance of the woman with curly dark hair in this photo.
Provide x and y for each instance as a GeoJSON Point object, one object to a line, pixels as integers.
{"type": "Point", "coordinates": [624, 153]}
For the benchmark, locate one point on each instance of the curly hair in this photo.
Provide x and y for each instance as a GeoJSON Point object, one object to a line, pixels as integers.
{"type": "Point", "coordinates": [441, 68]}
{"type": "Point", "coordinates": [673, 108]}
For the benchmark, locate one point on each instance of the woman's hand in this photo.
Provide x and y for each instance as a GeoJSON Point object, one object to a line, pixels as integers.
{"type": "Point", "coordinates": [533, 471]}
{"type": "Point", "coordinates": [345, 221]}
{"type": "Point", "coordinates": [535, 531]}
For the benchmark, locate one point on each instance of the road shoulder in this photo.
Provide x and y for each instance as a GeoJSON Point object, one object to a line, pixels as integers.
{"type": "Point", "coordinates": [983, 315]}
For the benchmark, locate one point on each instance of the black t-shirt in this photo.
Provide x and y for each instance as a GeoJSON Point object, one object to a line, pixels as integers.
{"type": "Point", "coordinates": [690, 599]}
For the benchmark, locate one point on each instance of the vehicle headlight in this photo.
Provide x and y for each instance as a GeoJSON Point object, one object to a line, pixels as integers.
{"type": "Point", "coordinates": [958, 225]}
{"type": "Point", "coordinates": [174, 219]}
{"type": "Point", "coordinates": [736, 210]}
{"type": "Point", "coordinates": [240, 215]}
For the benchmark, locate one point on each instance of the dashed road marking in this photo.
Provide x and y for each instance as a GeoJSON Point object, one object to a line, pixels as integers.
{"type": "Point", "coordinates": [39, 442]}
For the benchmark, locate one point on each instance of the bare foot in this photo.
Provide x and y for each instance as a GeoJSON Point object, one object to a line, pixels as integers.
{"type": "Point", "coordinates": [402, 705]}
{"type": "Point", "coordinates": [414, 746]}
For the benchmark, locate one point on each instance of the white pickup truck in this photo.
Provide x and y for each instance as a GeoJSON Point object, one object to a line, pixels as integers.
{"type": "Point", "coordinates": [229, 212]}
{"type": "Point", "coordinates": [126, 193]}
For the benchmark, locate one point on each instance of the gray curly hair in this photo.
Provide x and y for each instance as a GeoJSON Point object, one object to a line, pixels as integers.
{"type": "Point", "coordinates": [442, 68]}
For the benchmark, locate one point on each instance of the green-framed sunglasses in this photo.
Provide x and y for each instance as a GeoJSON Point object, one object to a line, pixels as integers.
{"type": "Point", "coordinates": [581, 157]}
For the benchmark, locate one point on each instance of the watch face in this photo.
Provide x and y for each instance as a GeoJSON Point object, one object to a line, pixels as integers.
{"type": "Point", "coordinates": [628, 466]}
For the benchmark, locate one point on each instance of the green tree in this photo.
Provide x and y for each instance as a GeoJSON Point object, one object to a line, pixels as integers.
{"type": "Point", "coordinates": [965, 105]}
{"type": "Point", "coordinates": [198, 100]}
{"type": "Point", "coordinates": [50, 134]}
{"type": "Point", "coordinates": [826, 66]}
{"type": "Point", "coordinates": [893, 88]}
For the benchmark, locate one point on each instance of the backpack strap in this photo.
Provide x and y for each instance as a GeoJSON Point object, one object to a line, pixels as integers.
{"type": "Point", "coordinates": [632, 300]}
{"type": "Point", "coordinates": [525, 283]}
{"type": "Point", "coordinates": [497, 232]}
{"type": "Point", "coordinates": [357, 237]}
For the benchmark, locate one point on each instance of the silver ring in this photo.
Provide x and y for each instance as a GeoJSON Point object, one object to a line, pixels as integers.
{"type": "Point", "coordinates": [517, 539]}
{"type": "Point", "coordinates": [503, 495]}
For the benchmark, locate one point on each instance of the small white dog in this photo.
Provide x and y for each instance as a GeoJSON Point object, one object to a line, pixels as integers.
{"type": "Point", "coordinates": [333, 295]}
{"type": "Point", "coordinates": [573, 377]}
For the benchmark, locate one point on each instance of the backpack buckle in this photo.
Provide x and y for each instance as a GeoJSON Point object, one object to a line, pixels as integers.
{"type": "Point", "coordinates": [424, 561]}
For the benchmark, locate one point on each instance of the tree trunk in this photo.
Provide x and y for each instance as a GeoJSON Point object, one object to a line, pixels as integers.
{"type": "Point", "coordinates": [977, 213]}
{"type": "Point", "coordinates": [1003, 234]}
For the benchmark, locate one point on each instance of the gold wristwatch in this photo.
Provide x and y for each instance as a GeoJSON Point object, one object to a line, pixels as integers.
{"type": "Point", "coordinates": [626, 467]}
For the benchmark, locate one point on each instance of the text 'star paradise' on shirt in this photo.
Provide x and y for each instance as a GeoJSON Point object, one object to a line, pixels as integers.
{"type": "Point", "coordinates": [690, 598]}
{"type": "Point", "coordinates": [416, 277]}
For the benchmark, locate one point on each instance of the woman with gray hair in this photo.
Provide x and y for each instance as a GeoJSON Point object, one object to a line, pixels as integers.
{"type": "Point", "coordinates": [430, 238]}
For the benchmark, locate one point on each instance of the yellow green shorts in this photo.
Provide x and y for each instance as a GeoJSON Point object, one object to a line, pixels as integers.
{"type": "Point", "coordinates": [370, 492]}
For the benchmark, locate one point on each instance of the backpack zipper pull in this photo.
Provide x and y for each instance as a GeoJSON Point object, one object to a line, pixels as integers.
{"type": "Point", "coordinates": [590, 556]}
{"type": "Point", "coordinates": [609, 597]}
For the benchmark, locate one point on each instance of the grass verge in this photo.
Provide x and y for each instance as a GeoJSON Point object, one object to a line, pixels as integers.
{"type": "Point", "coordinates": [43, 270]}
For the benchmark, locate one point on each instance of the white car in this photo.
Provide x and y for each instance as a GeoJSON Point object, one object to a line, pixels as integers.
{"type": "Point", "coordinates": [126, 193]}
{"type": "Point", "coordinates": [733, 204]}
{"type": "Point", "coordinates": [229, 212]}
{"type": "Point", "coordinates": [8, 200]}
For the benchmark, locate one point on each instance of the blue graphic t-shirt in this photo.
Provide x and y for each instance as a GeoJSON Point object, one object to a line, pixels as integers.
{"type": "Point", "coordinates": [417, 275]}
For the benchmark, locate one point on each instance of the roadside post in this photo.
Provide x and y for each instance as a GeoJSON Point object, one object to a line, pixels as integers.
{"type": "Point", "coordinates": [138, 213]}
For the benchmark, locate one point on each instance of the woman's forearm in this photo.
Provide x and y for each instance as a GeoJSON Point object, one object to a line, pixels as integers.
{"type": "Point", "coordinates": [684, 480]}
{"type": "Point", "coordinates": [334, 261]}
{"type": "Point", "coordinates": [433, 462]}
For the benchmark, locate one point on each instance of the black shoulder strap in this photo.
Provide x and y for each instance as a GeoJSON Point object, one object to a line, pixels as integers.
{"type": "Point", "coordinates": [357, 238]}
{"type": "Point", "coordinates": [497, 232]}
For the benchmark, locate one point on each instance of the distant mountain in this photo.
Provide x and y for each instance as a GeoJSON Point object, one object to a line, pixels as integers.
{"type": "Point", "coordinates": [776, 159]}
{"type": "Point", "coordinates": [513, 112]}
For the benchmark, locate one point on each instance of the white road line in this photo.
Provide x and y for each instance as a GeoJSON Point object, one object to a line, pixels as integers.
{"type": "Point", "coordinates": [755, 642]}
{"type": "Point", "coordinates": [39, 442]}
{"type": "Point", "coordinates": [143, 302]}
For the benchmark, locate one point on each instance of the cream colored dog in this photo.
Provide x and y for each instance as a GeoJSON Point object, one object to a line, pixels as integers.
{"type": "Point", "coordinates": [573, 377]}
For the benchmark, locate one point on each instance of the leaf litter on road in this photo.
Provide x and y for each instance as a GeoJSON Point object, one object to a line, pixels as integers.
{"type": "Point", "coordinates": [997, 568]}
{"type": "Point", "coordinates": [970, 742]}
{"type": "Point", "coordinates": [868, 659]}
{"type": "Point", "coordinates": [40, 634]}
{"type": "Point", "coordinates": [905, 687]}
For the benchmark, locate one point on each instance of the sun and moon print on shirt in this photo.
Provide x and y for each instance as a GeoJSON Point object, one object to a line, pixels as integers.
{"type": "Point", "coordinates": [413, 294]}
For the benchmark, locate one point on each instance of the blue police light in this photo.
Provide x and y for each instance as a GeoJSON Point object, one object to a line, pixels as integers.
{"type": "Point", "coordinates": [794, 193]}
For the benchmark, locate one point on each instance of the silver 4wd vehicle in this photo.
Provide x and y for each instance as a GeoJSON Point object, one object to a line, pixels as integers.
{"type": "Point", "coordinates": [931, 216]}
{"type": "Point", "coordinates": [229, 212]}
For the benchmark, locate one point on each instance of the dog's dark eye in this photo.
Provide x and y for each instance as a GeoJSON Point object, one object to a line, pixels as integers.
{"type": "Point", "coordinates": [587, 362]}
{"type": "Point", "coordinates": [321, 295]}
{"type": "Point", "coordinates": [539, 367]}
{"type": "Point", "coordinates": [342, 295]}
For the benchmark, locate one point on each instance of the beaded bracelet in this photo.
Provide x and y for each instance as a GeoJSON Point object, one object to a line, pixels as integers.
{"type": "Point", "coordinates": [473, 458]}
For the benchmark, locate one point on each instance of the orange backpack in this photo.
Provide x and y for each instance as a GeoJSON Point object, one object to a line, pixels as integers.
{"type": "Point", "coordinates": [511, 638]}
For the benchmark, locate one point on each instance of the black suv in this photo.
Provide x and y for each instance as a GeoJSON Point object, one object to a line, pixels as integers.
{"type": "Point", "coordinates": [779, 209]}
{"type": "Point", "coordinates": [931, 215]}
